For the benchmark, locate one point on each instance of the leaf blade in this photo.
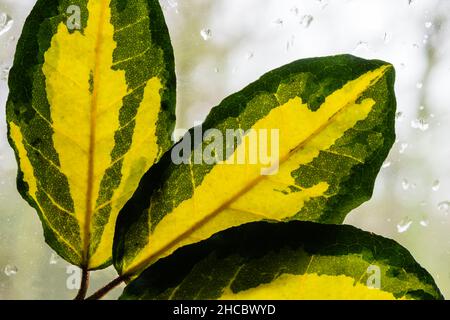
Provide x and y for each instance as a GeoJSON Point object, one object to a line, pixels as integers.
{"type": "Point", "coordinates": [84, 110]}
{"type": "Point", "coordinates": [294, 260]}
{"type": "Point", "coordinates": [322, 107]}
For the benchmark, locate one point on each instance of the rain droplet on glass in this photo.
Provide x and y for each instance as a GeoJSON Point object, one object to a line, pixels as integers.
{"type": "Point", "coordinates": [404, 225]}
{"type": "Point", "coordinates": [386, 164]}
{"type": "Point", "coordinates": [403, 147]}
{"type": "Point", "coordinates": [424, 222]}
{"type": "Point", "coordinates": [436, 185]}
{"type": "Point", "coordinates": [428, 24]}
{"type": "Point", "coordinates": [420, 124]}
{"type": "Point", "coordinates": [6, 23]}
{"type": "Point", "coordinates": [306, 20]}
{"type": "Point", "coordinates": [290, 43]}
{"type": "Point", "coordinates": [278, 22]}
{"type": "Point", "coordinates": [206, 34]}
{"type": "Point", "coordinates": [362, 45]}
{"type": "Point", "coordinates": [405, 184]}
{"type": "Point", "coordinates": [4, 72]}
{"type": "Point", "coordinates": [419, 85]}
{"type": "Point", "coordinates": [11, 270]}
{"type": "Point", "coordinates": [54, 258]}
{"type": "Point", "coordinates": [172, 3]}
{"type": "Point", "coordinates": [444, 206]}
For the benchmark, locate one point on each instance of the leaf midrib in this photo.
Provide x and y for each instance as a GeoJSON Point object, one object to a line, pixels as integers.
{"type": "Point", "coordinates": [92, 136]}
{"type": "Point", "coordinates": [225, 205]}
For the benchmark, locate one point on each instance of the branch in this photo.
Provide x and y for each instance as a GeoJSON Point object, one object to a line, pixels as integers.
{"type": "Point", "coordinates": [103, 291]}
{"type": "Point", "coordinates": [84, 284]}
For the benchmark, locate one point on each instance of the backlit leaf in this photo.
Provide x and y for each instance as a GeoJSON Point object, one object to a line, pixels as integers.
{"type": "Point", "coordinates": [335, 121]}
{"type": "Point", "coordinates": [91, 108]}
{"type": "Point", "coordinates": [295, 260]}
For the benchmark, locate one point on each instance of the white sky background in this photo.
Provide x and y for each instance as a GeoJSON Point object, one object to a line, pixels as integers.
{"type": "Point", "coordinates": [249, 38]}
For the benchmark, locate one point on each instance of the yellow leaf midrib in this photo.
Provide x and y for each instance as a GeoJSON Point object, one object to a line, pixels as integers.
{"type": "Point", "coordinates": [92, 137]}
{"type": "Point", "coordinates": [138, 267]}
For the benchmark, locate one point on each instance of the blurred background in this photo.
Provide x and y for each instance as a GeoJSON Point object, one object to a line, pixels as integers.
{"type": "Point", "coordinates": [221, 46]}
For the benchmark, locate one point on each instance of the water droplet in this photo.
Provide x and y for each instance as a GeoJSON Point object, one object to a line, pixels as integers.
{"type": "Point", "coordinates": [404, 225]}
{"type": "Point", "coordinates": [206, 34]}
{"type": "Point", "coordinates": [386, 164]}
{"type": "Point", "coordinates": [6, 23]}
{"type": "Point", "coordinates": [278, 22]}
{"type": "Point", "coordinates": [295, 11]}
{"type": "Point", "coordinates": [444, 206]}
{"type": "Point", "coordinates": [290, 43]}
{"type": "Point", "coordinates": [428, 24]}
{"type": "Point", "coordinates": [54, 259]}
{"type": "Point", "coordinates": [249, 55]}
{"type": "Point", "coordinates": [420, 124]}
{"type": "Point", "coordinates": [421, 108]}
{"type": "Point", "coordinates": [10, 270]}
{"type": "Point", "coordinates": [424, 222]}
{"type": "Point", "coordinates": [403, 147]}
{"type": "Point", "coordinates": [306, 20]}
{"type": "Point", "coordinates": [362, 45]}
{"type": "Point", "coordinates": [386, 38]}
{"type": "Point", "coordinates": [399, 116]}
{"type": "Point", "coordinates": [324, 4]}
{"type": "Point", "coordinates": [172, 3]}
{"type": "Point", "coordinates": [410, 2]}
{"type": "Point", "coordinates": [405, 184]}
{"type": "Point", "coordinates": [419, 85]}
{"type": "Point", "coordinates": [216, 70]}
{"type": "Point", "coordinates": [436, 185]}
{"type": "Point", "coordinates": [4, 72]}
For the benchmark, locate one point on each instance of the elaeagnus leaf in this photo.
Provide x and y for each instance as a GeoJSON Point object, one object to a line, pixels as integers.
{"type": "Point", "coordinates": [91, 108]}
{"type": "Point", "coordinates": [328, 123]}
{"type": "Point", "coordinates": [295, 260]}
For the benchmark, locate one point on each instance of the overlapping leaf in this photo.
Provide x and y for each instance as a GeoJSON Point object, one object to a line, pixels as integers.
{"type": "Point", "coordinates": [295, 260]}
{"type": "Point", "coordinates": [335, 118]}
{"type": "Point", "coordinates": [91, 108]}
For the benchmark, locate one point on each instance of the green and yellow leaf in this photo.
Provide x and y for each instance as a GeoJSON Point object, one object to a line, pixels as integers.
{"type": "Point", "coordinates": [91, 109]}
{"type": "Point", "coordinates": [335, 118]}
{"type": "Point", "coordinates": [294, 260]}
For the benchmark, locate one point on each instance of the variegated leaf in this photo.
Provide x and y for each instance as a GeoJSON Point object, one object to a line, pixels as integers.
{"type": "Point", "coordinates": [335, 118]}
{"type": "Point", "coordinates": [91, 108]}
{"type": "Point", "coordinates": [295, 260]}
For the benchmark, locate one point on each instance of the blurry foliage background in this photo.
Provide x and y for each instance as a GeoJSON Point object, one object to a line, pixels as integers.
{"type": "Point", "coordinates": [222, 45]}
